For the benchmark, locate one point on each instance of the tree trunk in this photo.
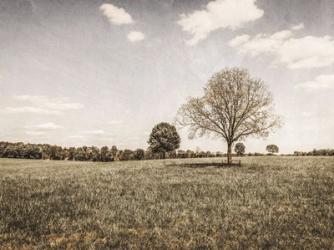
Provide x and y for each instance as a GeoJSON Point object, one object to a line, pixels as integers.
{"type": "Point", "coordinates": [229, 154]}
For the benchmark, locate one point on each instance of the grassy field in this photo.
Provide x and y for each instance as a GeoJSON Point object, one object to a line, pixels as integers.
{"type": "Point", "coordinates": [268, 203]}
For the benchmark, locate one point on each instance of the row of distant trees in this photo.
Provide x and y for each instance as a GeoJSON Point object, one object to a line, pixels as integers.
{"type": "Point", "coordinates": [315, 152]}
{"type": "Point", "coordinates": [164, 142]}
{"type": "Point", "coordinates": [22, 150]}
{"type": "Point", "coordinates": [240, 149]}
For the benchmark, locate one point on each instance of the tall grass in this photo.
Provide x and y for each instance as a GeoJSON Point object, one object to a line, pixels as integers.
{"type": "Point", "coordinates": [268, 203]}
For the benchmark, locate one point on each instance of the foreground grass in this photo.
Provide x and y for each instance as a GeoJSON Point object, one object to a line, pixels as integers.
{"type": "Point", "coordinates": [268, 203]}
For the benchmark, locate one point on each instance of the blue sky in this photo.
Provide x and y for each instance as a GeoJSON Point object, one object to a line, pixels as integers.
{"type": "Point", "coordinates": [81, 72]}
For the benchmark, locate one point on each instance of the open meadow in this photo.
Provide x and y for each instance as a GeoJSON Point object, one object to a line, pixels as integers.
{"type": "Point", "coordinates": [268, 203]}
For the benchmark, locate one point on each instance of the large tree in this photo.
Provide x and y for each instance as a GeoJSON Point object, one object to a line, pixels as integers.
{"type": "Point", "coordinates": [164, 138]}
{"type": "Point", "coordinates": [234, 106]}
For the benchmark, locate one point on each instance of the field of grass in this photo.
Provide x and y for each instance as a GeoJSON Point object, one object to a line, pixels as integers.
{"type": "Point", "coordinates": [267, 203]}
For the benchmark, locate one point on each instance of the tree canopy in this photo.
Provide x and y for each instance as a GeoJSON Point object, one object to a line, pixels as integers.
{"type": "Point", "coordinates": [164, 138]}
{"type": "Point", "coordinates": [239, 148]}
{"type": "Point", "coordinates": [272, 148]}
{"type": "Point", "coordinates": [234, 106]}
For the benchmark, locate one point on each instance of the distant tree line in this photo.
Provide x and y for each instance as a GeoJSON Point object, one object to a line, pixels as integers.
{"type": "Point", "coordinates": [22, 150]}
{"type": "Point", "coordinates": [315, 152]}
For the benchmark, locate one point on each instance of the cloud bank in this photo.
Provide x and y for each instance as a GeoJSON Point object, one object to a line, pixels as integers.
{"type": "Point", "coordinates": [320, 82]}
{"type": "Point", "coordinates": [219, 14]}
{"type": "Point", "coordinates": [48, 125]}
{"type": "Point", "coordinates": [43, 105]}
{"type": "Point", "coordinates": [294, 52]}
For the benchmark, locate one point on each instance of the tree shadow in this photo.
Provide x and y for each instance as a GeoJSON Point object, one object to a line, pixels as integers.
{"type": "Point", "coordinates": [208, 165]}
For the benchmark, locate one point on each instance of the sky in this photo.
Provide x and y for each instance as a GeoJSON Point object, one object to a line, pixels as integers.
{"type": "Point", "coordinates": [93, 72]}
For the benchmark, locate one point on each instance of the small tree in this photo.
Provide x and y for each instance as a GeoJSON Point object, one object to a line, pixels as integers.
{"type": "Point", "coordinates": [114, 152]}
{"type": "Point", "coordinates": [181, 154]}
{"type": "Point", "coordinates": [190, 153]}
{"type": "Point", "coordinates": [139, 154]}
{"type": "Point", "coordinates": [239, 148]}
{"type": "Point", "coordinates": [71, 153]}
{"type": "Point", "coordinates": [95, 154]}
{"type": "Point", "coordinates": [104, 153]}
{"type": "Point", "coordinates": [127, 155]}
{"type": "Point", "coordinates": [148, 155]}
{"type": "Point", "coordinates": [272, 148]}
{"type": "Point", "coordinates": [234, 106]}
{"type": "Point", "coordinates": [164, 138]}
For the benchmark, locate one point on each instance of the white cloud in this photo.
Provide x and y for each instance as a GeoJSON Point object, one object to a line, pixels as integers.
{"type": "Point", "coordinates": [320, 82]}
{"type": "Point", "coordinates": [31, 110]}
{"type": "Point", "coordinates": [94, 132]}
{"type": "Point", "coordinates": [87, 133]}
{"type": "Point", "coordinates": [48, 125]}
{"type": "Point", "coordinates": [136, 36]}
{"type": "Point", "coordinates": [296, 53]}
{"type": "Point", "coordinates": [59, 103]}
{"type": "Point", "coordinates": [43, 105]}
{"type": "Point", "coordinates": [239, 40]}
{"type": "Point", "coordinates": [35, 132]}
{"type": "Point", "coordinates": [115, 122]}
{"type": "Point", "coordinates": [298, 27]}
{"type": "Point", "coordinates": [260, 43]}
{"type": "Point", "coordinates": [219, 14]}
{"type": "Point", "coordinates": [76, 136]}
{"type": "Point", "coordinates": [115, 15]}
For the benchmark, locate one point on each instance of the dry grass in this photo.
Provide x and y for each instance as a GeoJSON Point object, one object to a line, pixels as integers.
{"type": "Point", "coordinates": [268, 203]}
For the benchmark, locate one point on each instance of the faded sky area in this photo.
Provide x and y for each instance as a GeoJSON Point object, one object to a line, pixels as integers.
{"type": "Point", "coordinates": [91, 72]}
